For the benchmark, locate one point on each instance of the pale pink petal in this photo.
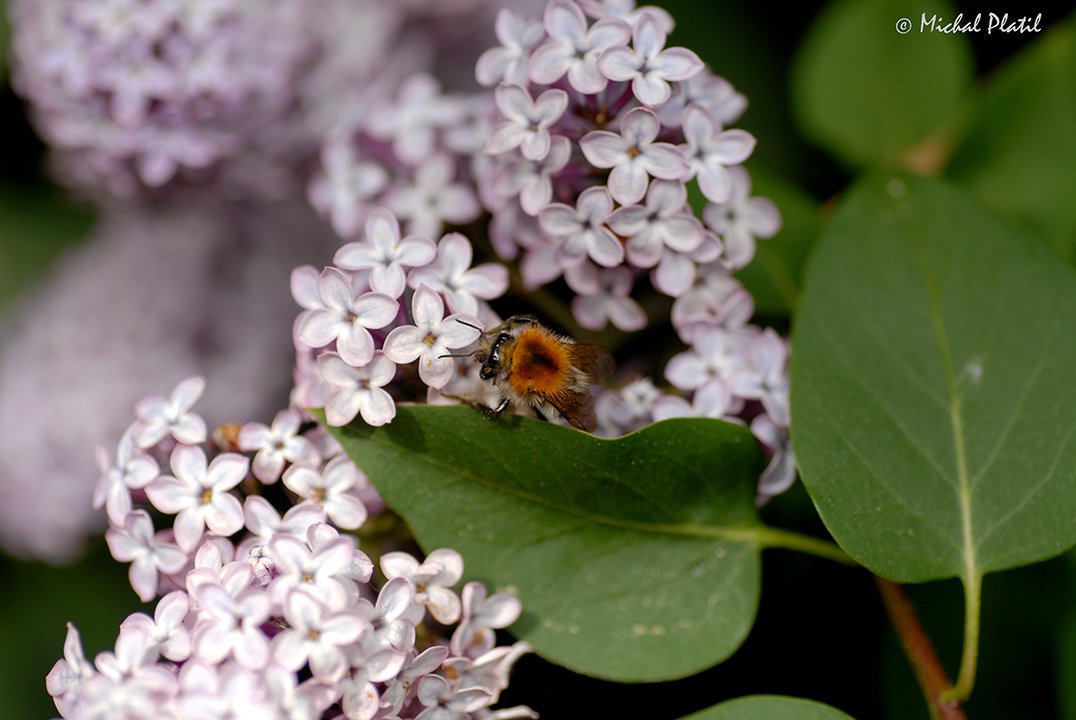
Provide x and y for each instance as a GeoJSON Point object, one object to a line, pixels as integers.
{"type": "Point", "coordinates": [603, 149]}
{"type": "Point", "coordinates": [404, 344]}
{"type": "Point", "coordinates": [225, 515]}
{"type": "Point", "coordinates": [628, 182]}
{"type": "Point", "coordinates": [377, 407]}
{"type": "Point", "coordinates": [356, 346]}
{"type": "Point", "coordinates": [676, 64]}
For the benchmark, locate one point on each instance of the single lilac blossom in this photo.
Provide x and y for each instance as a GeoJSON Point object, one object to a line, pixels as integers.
{"type": "Point", "coordinates": [345, 318]}
{"type": "Point", "coordinates": [199, 494]}
{"type": "Point", "coordinates": [648, 64]}
{"type": "Point", "coordinates": [133, 471]}
{"type": "Point", "coordinates": [609, 302]}
{"type": "Point", "coordinates": [482, 614]}
{"type": "Point", "coordinates": [573, 48]}
{"type": "Point", "coordinates": [508, 61]}
{"type": "Point", "coordinates": [581, 231]}
{"type": "Point", "coordinates": [384, 254]}
{"type": "Point", "coordinates": [710, 150]}
{"type": "Point", "coordinates": [354, 391]}
{"type": "Point", "coordinates": [527, 121]}
{"type": "Point", "coordinates": [276, 445]}
{"type": "Point", "coordinates": [166, 629]}
{"type": "Point", "coordinates": [332, 489]}
{"type": "Point", "coordinates": [322, 572]}
{"type": "Point", "coordinates": [159, 417]}
{"type": "Point", "coordinates": [317, 635]}
{"type": "Point", "coordinates": [230, 625]}
{"type": "Point", "coordinates": [431, 337]}
{"type": "Point", "coordinates": [451, 275]}
{"type": "Point", "coordinates": [432, 579]}
{"type": "Point", "coordinates": [634, 156]}
{"type": "Point", "coordinates": [443, 702]}
{"type": "Point", "coordinates": [663, 222]}
{"type": "Point", "coordinates": [134, 541]}
{"type": "Point", "coordinates": [741, 219]}
{"type": "Point", "coordinates": [433, 197]}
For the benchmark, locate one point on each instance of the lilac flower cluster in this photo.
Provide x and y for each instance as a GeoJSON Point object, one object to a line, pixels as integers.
{"type": "Point", "coordinates": [134, 95]}
{"type": "Point", "coordinates": [272, 613]}
{"type": "Point", "coordinates": [593, 135]}
{"type": "Point", "coordinates": [341, 365]}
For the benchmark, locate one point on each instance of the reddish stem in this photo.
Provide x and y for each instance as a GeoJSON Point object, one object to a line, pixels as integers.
{"type": "Point", "coordinates": [920, 651]}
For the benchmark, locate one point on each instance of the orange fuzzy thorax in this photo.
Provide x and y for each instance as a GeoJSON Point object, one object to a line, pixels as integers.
{"type": "Point", "coordinates": [538, 363]}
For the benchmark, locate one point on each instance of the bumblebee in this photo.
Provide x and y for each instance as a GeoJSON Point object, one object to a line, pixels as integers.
{"type": "Point", "coordinates": [535, 367]}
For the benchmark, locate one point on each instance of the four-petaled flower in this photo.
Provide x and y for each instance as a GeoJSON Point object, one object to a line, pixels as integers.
{"type": "Point", "coordinates": [344, 318]}
{"type": "Point", "coordinates": [135, 542]}
{"type": "Point", "coordinates": [443, 702]}
{"type": "Point", "coordinates": [634, 156]}
{"type": "Point", "coordinates": [604, 296]}
{"type": "Point", "coordinates": [332, 489]}
{"type": "Point", "coordinates": [199, 494]}
{"type": "Point", "coordinates": [573, 48]}
{"type": "Point", "coordinates": [647, 64]}
{"type": "Point", "coordinates": [581, 230]}
{"type": "Point", "coordinates": [133, 471]}
{"type": "Point", "coordinates": [317, 635]}
{"type": "Point", "coordinates": [508, 61]}
{"type": "Point", "coordinates": [431, 337]}
{"type": "Point", "coordinates": [662, 222]}
{"type": "Point", "coordinates": [432, 580]}
{"type": "Point", "coordinates": [276, 445]}
{"type": "Point", "coordinates": [527, 121]}
{"type": "Point", "coordinates": [354, 391]}
{"type": "Point", "coordinates": [452, 275]}
{"type": "Point", "coordinates": [159, 416]}
{"type": "Point", "coordinates": [384, 254]}
{"type": "Point", "coordinates": [741, 218]}
{"type": "Point", "coordinates": [710, 149]}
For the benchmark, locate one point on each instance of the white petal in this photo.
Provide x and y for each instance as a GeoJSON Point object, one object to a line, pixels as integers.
{"type": "Point", "coordinates": [603, 149]}
{"type": "Point", "coordinates": [619, 63]}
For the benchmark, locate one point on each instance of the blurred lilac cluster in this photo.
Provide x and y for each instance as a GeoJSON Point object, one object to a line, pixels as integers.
{"type": "Point", "coordinates": [267, 610]}
{"type": "Point", "coordinates": [578, 163]}
{"type": "Point", "coordinates": [193, 127]}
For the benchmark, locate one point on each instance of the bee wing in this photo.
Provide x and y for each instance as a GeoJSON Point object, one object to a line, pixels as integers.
{"type": "Point", "coordinates": [577, 409]}
{"type": "Point", "coordinates": [594, 360]}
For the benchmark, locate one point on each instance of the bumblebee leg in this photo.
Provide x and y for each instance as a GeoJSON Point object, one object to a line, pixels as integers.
{"type": "Point", "coordinates": [540, 415]}
{"type": "Point", "coordinates": [493, 413]}
{"type": "Point", "coordinates": [490, 413]}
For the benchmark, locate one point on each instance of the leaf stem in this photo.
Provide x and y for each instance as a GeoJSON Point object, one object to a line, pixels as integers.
{"type": "Point", "coordinates": [770, 537]}
{"type": "Point", "coordinates": [920, 652]}
{"type": "Point", "coordinates": [969, 659]}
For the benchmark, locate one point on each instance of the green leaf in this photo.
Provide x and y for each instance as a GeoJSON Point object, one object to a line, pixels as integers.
{"type": "Point", "coordinates": [1019, 152]}
{"type": "Point", "coordinates": [775, 275]}
{"type": "Point", "coordinates": [934, 412]}
{"type": "Point", "coordinates": [635, 559]}
{"type": "Point", "coordinates": [867, 93]}
{"type": "Point", "coordinates": [769, 707]}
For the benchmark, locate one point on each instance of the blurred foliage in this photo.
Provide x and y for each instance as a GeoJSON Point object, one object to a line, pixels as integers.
{"type": "Point", "coordinates": [37, 222]}
{"type": "Point", "coordinates": [38, 600]}
{"type": "Point", "coordinates": [1018, 154]}
{"type": "Point", "coordinates": [866, 92]}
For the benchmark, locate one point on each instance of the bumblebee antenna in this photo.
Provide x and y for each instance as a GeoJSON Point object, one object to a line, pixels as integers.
{"type": "Point", "coordinates": [464, 322]}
